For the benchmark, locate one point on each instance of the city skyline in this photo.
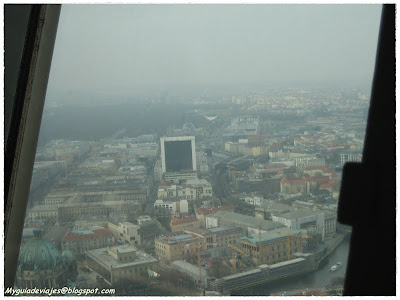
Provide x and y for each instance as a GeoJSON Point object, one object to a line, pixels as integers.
{"type": "Point", "coordinates": [122, 49]}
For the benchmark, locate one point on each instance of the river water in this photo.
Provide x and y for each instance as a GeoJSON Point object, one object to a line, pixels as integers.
{"type": "Point", "coordinates": [318, 279]}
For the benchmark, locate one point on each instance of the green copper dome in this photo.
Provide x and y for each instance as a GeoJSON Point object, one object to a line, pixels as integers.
{"type": "Point", "coordinates": [68, 255]}
{"type": "Point", "coordinates": [39, 254]}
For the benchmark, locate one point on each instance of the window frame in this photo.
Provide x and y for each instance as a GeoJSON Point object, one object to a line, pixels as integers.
{"type": "Point", "coordinates": [25, 120]}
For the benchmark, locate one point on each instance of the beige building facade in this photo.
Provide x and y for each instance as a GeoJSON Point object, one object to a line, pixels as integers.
{"type": "Point", "coordinates": [121, 263]}
{"type": "Point", "coordinates": [179, 246]}
{"type": "Point", "coordinates": [330, 225]}
{"type": "Point", "coordinates": [219, 236]}
{"type": "Point", "coordinates": [273, 246]}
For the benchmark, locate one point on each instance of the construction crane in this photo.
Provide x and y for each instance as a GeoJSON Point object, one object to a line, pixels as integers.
{"type": "Point", "coordinates": [233, 170]}
{"type": "Point", "coordinates": [290, 236]}
{"type": "Point", "coordinates": [260, 257]}
{"type": "Point", "coordinates": [233, 255]}
{"type": "Point", "coordinates": [252, 166]}
{"type": "Point", "coordinates": [198, 247]}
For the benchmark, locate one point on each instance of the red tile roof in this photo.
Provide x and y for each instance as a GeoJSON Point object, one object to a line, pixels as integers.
{"type": "Point", "coordinates": [95, 234]}
{"type": "Point", "coordinates": [189, 219]}
{"type": "Point", "coordinates": [324, 168]}
{"type": "Point", "coordinates": [207, 211]}
{"type": "Point", "coordinates": [325, 186]}
{"type": "Point", "coordinates": [293, 181]}
{"type": "Point", "coordinates": [329, 185]}
{"type": "Point", "coordinates": [280, 166]}
{"type": "Point", "coordinates": [319, 179]}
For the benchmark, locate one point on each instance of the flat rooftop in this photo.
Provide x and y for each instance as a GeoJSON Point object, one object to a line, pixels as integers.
{"type": "Point", "coordinates": [273, 235]}
{"type": "Point", "coordinates": [197, 230]}
{"type": "Point", "coordinates": [92, 218]}
{"type": "Point", "coordinates": [104, 259]}
{"type": "Point", "coordinates": [183, 236]}
{"type": "Point", "coordinates": [239, 275]}
{"type": "Point", "coordinates": [177, 138]}
{"type": "Point", "coordinates": [274, 206]}
{"type": "Point", "coordinates": [180, 264]}
{"type": "Point", "coordinates": [222, 229]}
{"type": "Point", "coordinates": [198, 182]}
{"type": "Point", "coordinates": [245, 221]}
{"type": "Point", "coordinates": [218, 229]}
{"type": "Point", "coordinates": [300, 213]}
{"type": "Point", "coordinates": [285, 263]}
{"type": "Point", "coordinates": [179, 238]}
{"type": "Point", "coordinates": [123, 249]}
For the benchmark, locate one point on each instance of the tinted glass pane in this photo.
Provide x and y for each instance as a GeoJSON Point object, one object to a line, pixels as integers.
{"type": "Point", "coordinates": [198, 149]}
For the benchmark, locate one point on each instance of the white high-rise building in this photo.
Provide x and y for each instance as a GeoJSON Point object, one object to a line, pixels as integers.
{"type": "Point", "coordinates": [178, 154]}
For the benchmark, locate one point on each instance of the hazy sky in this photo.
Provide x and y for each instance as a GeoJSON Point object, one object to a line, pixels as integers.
{"type": "Point", "coordinates": [116, 47]}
